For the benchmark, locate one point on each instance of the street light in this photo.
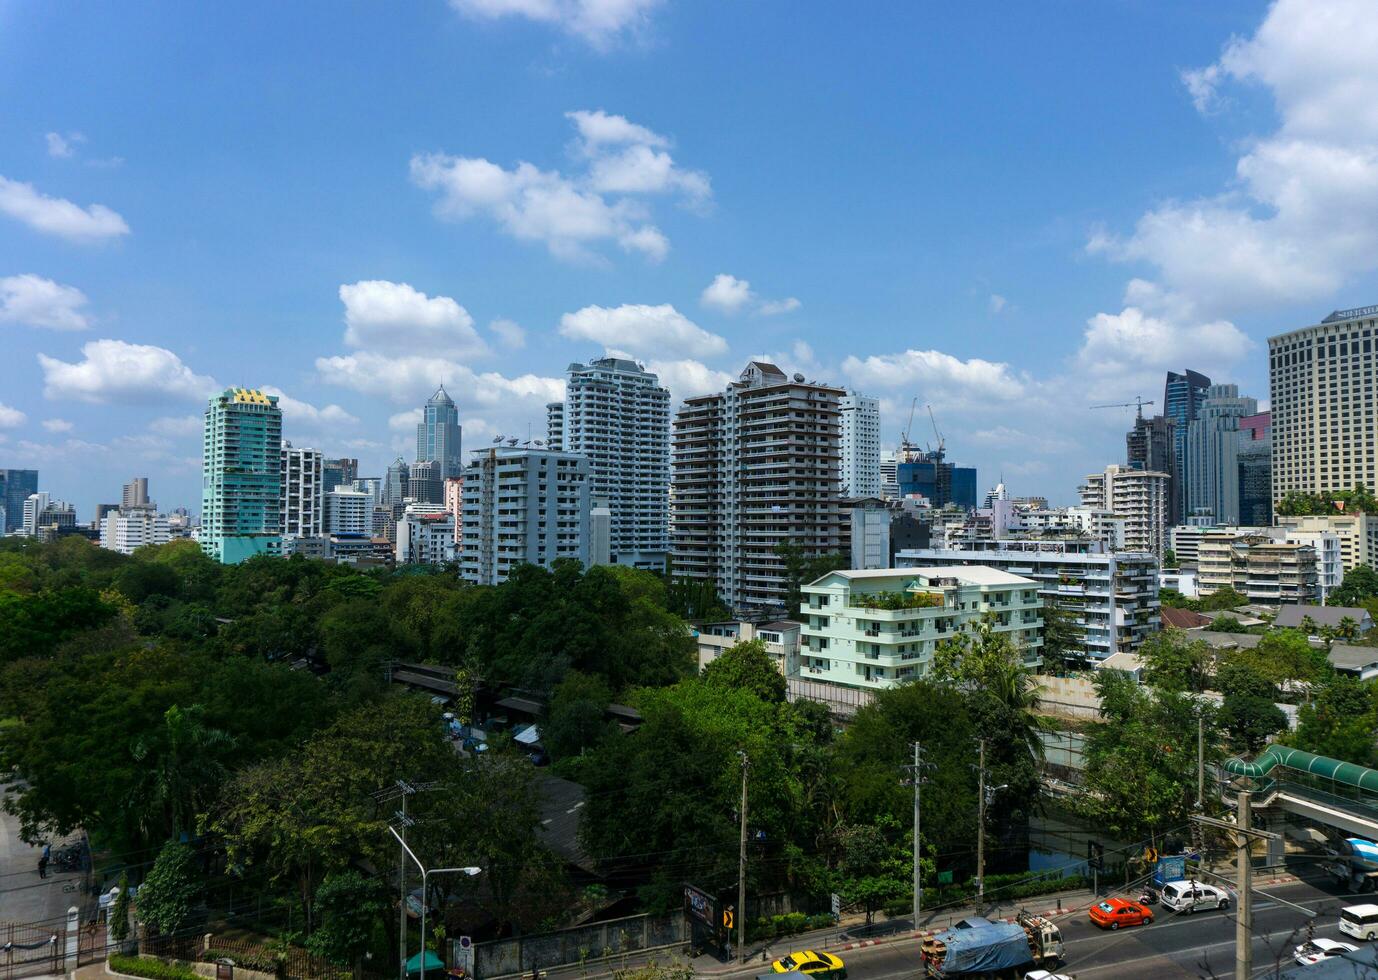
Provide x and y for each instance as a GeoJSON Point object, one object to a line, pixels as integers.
{"type": "Point", "coordinates": [426, 873]}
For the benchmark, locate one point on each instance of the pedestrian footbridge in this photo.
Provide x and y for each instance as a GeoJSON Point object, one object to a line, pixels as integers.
{"type": "Point", "coordinates": [1338, 794]}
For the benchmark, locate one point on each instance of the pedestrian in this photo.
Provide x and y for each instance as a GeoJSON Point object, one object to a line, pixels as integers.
{"type": "Point", "coordinates": [43, 865]}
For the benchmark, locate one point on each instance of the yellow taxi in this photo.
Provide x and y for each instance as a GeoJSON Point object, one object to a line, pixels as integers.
{"type": "Point", "coordinates": [825, 966]}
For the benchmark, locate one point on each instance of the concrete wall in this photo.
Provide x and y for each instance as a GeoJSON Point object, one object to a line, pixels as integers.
{"type": "Point", "coordinates": [506, 957]}
{"type": "Point", "coordinates": [1069, 697]}
{"type": "Point", "coordinates": [842, 700]}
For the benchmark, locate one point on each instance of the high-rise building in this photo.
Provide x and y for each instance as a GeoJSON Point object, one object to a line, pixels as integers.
{"type": "Point", "coordinates": [1255, 463]}
{"type": "Point", "coordinates": [555, 426]}
{"type": "Point", "coordinates": [522, 506]}
{"type": "Point", "coordinates": [454, 504]}
{"type": "Point", "coordinates": [1138, 496]}
{"type": "Point", "coordinates": [930, 475]}
{"type": "Point", "coordinates": [241, 476]}
{"type": "Point", "coordinates": [889, 475]}
{"type": "Point", "coordinates": [424, 482]}
{"type": "Point", "coordinates": [860, 445]}
{"type": "Point", "coordinates": [395, 484]}
{"type": "Point", "coordinates": [302, 492]}
{"type": "Point", "coordinates": [1152, 445]}
{"type": "Point", "coordinates": [754, 467]}
{"type": "Point", "coordinates": [438, 435]}
{"type": "Point", "coordinates": [1323, 403]}
{"type": "Point", "coordinates": [1182, 397]}
{"type": "Point", "coordinates": [339, 472]}
{"type": "Point", "coordinates": [1213, 445]}
{"type": "Point", "coordinates": [617, 414]}
{"type": "Point", "coordinates": [348, 512]}
{"type": "Point", "coordinates": [15, 487]}
{"type": "Point", "coordinates": [135, 493]}
{"type": "Point", "coordinates": [426, 539]}
{"type": "Point", "coordinates": [1258, 566]}
{"type": "Point", "coordinates": [34, 506]}
{"type": "Point", "coordinates": [130, 528]}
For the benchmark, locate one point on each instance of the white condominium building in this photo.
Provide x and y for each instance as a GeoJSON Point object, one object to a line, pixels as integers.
{"type": "Point", "coordinates": [860, 445]}
{"type": "Point", "coordinates": [1358, 534]}
{"type": "Point", "coordinates": [889, 475]}
{"type": "Point", "coordinates": [617, 414]}
{"type": "Point", "coordinates": [1139, 496]}
{"type": "Point", "coordinates": [301, 493]}
{"type": "Point", "coordinates": [880, 627]}
{"type": "Point", "coordinates": [755, 466]}
{"type": "Point", "coordinates": [129, 528]}
{"type": "Point", "coordinates": [348, 512]}
{"type": "Point", "coordinates": [1323, 402]}
{"type": "Point", "coordinates": [426, 539]}
{"type": "Point", "coordinates": [1258, 566]}
{"type": "Point", "coordinates": [522, 506]}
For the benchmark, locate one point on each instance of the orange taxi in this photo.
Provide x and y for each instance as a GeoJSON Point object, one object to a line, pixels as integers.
{"type": "Point", "coordinates": [1116, 912]}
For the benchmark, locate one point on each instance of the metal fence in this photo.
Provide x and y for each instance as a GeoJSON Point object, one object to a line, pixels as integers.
{"type": "Point", "coordinates": [27, 949]}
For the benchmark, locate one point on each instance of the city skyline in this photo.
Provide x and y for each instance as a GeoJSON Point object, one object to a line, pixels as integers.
{"type": "Point", "coordinates": [129, 292]}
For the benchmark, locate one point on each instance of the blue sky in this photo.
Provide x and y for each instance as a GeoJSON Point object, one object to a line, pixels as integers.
{"type": "Point", "coordinates": [1009, 211]}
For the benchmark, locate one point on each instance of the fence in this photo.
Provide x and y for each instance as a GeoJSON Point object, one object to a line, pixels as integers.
{"type": "Point", "coordinates": [253, 959]}
{"type": "Point", "coordinates": [31, 950]}
{"type": "Point", "coordinates": [505, 957]}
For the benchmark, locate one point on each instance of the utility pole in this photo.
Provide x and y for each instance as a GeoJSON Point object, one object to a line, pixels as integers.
{"type": "Point", "coordinates": [1200, 761]}
{"type": "Point", "coordinates": [741, 871]}
{"type": "Point", "coordinates": [916, 774]}
{"type": "Point", "coordinates": [1243, 835]}
{"type": "Point", "coordinates": [980, 828]}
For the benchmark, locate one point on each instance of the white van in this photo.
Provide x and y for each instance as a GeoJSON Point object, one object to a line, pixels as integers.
{"type": "Point", "coordinates": [1188, 896]}
{"type": "Point", "coordinates": [1360, 921]}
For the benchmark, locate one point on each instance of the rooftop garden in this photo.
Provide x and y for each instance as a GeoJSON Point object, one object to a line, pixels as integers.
{"type": "Point", "coordinates": [897, 600]}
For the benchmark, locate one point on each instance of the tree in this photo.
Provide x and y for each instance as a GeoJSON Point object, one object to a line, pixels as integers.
{"type": "Point", "coordinates": [1347, 628]}
{"type": "Point", "coordinates": [171, 894]}
{"type": "Point", "coordinates": [1339, 720]}
{"type": "Point", "coordinates": [1175, 662]}
{"type": "Point", "coordinates": [747, 666]}
{"type": "Point", "coordinates": [182, 765]}
{"type": "Point", "coordinates": [802, 567]}
{"type": "Point", "coordinates": [1360, 584]}
{"type": "Point", "coordinates": [119, 912]}
{"type": "Point", "coordinates": [869, 873]}
{"type": "Point", "coordinates": [1226, 598]}
{"type": "Point", "coordinates": [1170, 559]}
{"type": "Point", "coordinates": [577, 718]}
{"type": "Point", "coordinates": [351, 908]}
{"type": "Point", "coordinates": [1284, 655]}
{"type": "Point", "coordinates": [1227, 624]}
{"type": "Point", "coordinates": [33, 625]}
{"type": "Point", "coordinates": [1249, 720]}
{"type": "Point", "coordinates": [1063, 640]}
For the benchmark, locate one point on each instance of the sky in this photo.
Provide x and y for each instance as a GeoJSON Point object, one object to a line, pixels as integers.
{"type": "Point", "coordinates": [1009, 212]}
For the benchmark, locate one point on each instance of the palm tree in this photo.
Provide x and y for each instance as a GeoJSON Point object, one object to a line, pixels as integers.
{"type": "Point", "coordinates": [184, 769]}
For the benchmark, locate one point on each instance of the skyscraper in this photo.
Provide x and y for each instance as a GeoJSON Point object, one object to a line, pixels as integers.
{"type": "Point", "coordinates": [424, 482]}
{"type": "Point", "coordinates": [1138, 496]}
{"type": "Point", "coordinates": [302, 493]}
{"type": "Point", "coordinates": [1323, 402]}
{"type": "Point", "coordinates": [1152, 445]}
{"type": "Point", "coordinates": [438, 435]}
{"type": "Point", "coordinates": [395, 483]}
{"type": "Point", "coordinates": [860, 445]}
{"type": "Point", "coordinates": [241, 476]}
{"type": "Point", "coordinates": [338, 472]}
{"type": "Point", "coordinates": [617, 414]}
{"type": "Point", "coordinates": [753, 467]}
{"type": "Point", "coordinates": [1182, 397]}
{"type": "Point", "coordinates": [1213, 445]}
{"type": "Point", "coordinates": [135, 493]}
{"type": "Point", "coordinates": [1256, 470]}
{"type": "Point", "coordinates": [15, 488]}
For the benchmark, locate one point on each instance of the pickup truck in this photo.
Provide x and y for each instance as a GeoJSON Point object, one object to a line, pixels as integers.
{"type": "Point", "coordinates": [979, 947]}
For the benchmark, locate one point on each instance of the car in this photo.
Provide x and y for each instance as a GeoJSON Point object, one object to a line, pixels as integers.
{"type": "Point", "coordinates": [1188, 896]}
{"type": "Point", "coordinates": [1116, 912]}
{"type": "Point", "coordinates": [1360, 921]}
{"type": "Point", "coordinates": [1045, 975]}
{"type": "Point", "coordinates": [823, 965]}
{"type": "Point", "coordinates": [1319, 950]}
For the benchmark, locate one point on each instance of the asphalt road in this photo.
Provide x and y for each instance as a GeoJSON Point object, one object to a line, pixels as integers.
{"type": "Point", "coordinates": [1174, 946]}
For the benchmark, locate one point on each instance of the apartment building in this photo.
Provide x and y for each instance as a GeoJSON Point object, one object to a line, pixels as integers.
{"type": "Point", "coordinates": [1110, 596]}
{"type": "Point", "coordinates": [1321, 383]}
{"type": "Point", "coordinates": [1138, 496]}
{"type": "Point", "coordinates": [425, 539]}
{"type": "Point", "coordinates": [875, 628]}
{"type": "Point", "coordinates": [241, 476]}
{"type": "Point", "coordinates": [753, 466]}
{"type": "Point", "coordinates": [522, 506]}
{"type": "Point", "coordinates": [302, 493]}
{"type": "Point", "coordinates": [348, 512]}
{"type": "Point", "coordinates": [130, 528]}
{"type": "Point", "coordinates": [1357, 533]}
{"type": "Point", "coordinates": [1258, 566]}
{"type": "Point", "coordinates": [860, 418]}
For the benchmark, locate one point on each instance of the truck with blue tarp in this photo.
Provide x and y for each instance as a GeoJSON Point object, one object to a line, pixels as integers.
{"type": "Point", "coordinates": [1354, 863]}
{"type": "Point", "coordinates": [978, 947]}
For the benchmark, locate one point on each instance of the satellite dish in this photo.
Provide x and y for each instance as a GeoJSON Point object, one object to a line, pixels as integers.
{"type": "Point", "coordinates": [538, 442]}
{"type": "Point", "coordinates": [497, 439]}
{"type": "Point", "coordinates": [511, 442]}
{"type": "Point", "coordinates": [799, 378]}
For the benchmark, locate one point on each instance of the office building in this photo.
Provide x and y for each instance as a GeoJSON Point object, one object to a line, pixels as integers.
{"type": "Point", "coordinates": [34, 506]}
{"type": "Point", "coordinates": [135, 493]}
{"type": "Point", "coordinates": [348, 512]}
{"type": "Point", "coordinates": [1258, 566]}
{"type": "Point", "coordinates": [371, 485]}
{"type": "Point", "coordinates": [860, 416]}
{"type": "Point", "coordinates": [15, 488]}
{"type": "Point", "coordinates": [1214, 442]}
{"type": "Point", "coordinates": [438, 436]}
{"type": "Point", "coordinates": [302, 493]}
{"type": "Point", "coordinates": [1138, 496]}
{"type": "Point", "coordinates": [870, 519]}
{"type": "Point", "coordinates": [1255, 463]}
{"type": "Point", "coordinates": [617, 414]}
{"type": "Point", "coordinates": [930, 475]}
{"type": "Point", "coordinates": [1323, 403]}
{"type": "Point", "coordinates": [46, 519]}
{"type": "Point", "coordinates": [426, 539]}
{"type": "Point", "coordinates": [522, 505]}
{"type": "Point", "coordinates": [241, 476]}
{"type": "Point", "coordinates": [454, 504]}
{"type": "Point", "coordinates": [880, 627]}
{"type": "Point", "coordinates": [339, 472]}
{"type": "Point", "coordinates": [1110, 596]}
{"type": "Point", "coordinates": [889, 475]}
{"type": "Point", "coordinates": [1182, 397]}
{"type": "Point", "coordinates": [755, 466]}
{"type": "Point", "coordinates": [425, 482]}
{"type": "Point", "coordinates": [395, 484]}
{"type": "Point", "coordinates": [1152, 445]}
{"type": "Point", "coordinates": [130, 528]}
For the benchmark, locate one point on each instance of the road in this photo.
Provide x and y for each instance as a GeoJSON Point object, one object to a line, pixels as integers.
{"type": "Point", "coordinates": [1174, 946]}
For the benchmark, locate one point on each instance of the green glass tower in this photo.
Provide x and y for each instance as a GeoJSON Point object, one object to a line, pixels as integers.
{"type": "Point", "coordinates": [241, 509]}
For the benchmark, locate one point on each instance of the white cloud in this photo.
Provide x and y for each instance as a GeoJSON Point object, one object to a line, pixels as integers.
{"type": "Point", "coordinates": [11, 417]}
{"type": "Point", "coordinates": [58, 216]}
{"type": "Point", "coordinates": [1300, 220]}
{"type": "Point", "coordinates": [57, 425]}
{"type": "Point", "coordinates": [405, 421]}
{"type": "Point", "coordinates": [409, 378]}
{"type": "Point", "coordinates": [63, 146]}
{"type": "Point", "coordinates": [996, 303]}
{"type": "Point", "coordinates": [646, 329]}
{"type": "Point", "coordinates": [116, 371]}
{"type": "Point", "coordinates": [726, 294]}
{"type": "Point", "coordinates": [601, 23]}
{"type": "Point", "coordinates": [1128, 351]}
{"type": "Point", "coordinates": [688, 378]}
{"type": "Point", "coordinates": [922, 371]}
{"type": "Point", "coordinates": [570, 214]}
{"type": "Point", "coordinates": [730, 295]}
{"type": "Point", "coordinates": [305, 415]}
{"type": "Point", "coordinates": [394, 317]}
{"type": "Point", "coordinates": [40, 302]}
{"type": "Point", "coordinates": [509, 332]}
{"type": "Point", "coordinates": [179, 425]}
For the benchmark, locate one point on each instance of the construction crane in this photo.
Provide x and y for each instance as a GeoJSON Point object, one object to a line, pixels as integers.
{"type": "Point", "coordinates": [1137, 403]}
{"type": "Point", "coordinates": [907, 447]}
{"type": "Point", "coordinates": [942, 443]}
